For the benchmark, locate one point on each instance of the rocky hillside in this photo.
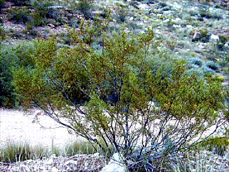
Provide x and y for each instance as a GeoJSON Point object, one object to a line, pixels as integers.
{"type": "Point", "coordinates": [198, 32]}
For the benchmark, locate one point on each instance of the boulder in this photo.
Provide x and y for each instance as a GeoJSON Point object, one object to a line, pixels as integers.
{"type": "Point", "coordinates": [116, 164]}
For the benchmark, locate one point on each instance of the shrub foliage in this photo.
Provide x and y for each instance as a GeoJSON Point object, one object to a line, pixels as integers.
{"type": "Point", "coordinates": [128, 96]}
{"type": "Point", "coordinates": [11, 57]}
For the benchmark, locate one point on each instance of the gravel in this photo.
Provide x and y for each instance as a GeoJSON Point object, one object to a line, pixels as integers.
{"type": "Point", "coordinates": [79, 163]}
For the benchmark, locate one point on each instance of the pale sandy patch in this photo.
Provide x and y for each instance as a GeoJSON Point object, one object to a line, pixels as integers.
{"type": "Point", "coordinates": [16, 126]}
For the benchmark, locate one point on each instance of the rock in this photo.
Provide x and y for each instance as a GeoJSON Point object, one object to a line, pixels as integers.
{"type": "Point", "coordinates": [24, 168]}
{"type": "Point", "coordinates": [116, 164]}
{"type": "Point", "coordinates": [51, 25]}
{"type": "Point", "coordinates": [54, 169]}
{"type": "Point", "coordinates": [72, 165]}
{"type": "Point", "coordinates": [98, 12]}
{"type": "Point", "coordinates": [214, 38]}
{"type": "Point", "coordinates": [143, 6]}
{"type": "Point", "coordinates": [15, 169]}
{"type": "Point", "coordinates": [56, 7]}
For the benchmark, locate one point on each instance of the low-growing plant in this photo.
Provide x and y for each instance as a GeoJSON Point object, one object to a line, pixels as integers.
{"type": "Point", "coordinates": [14, 152]}
{"type": "Point", "coordinates": [202, 161]}
{"type": "Point", "coordinates": [222, 41]}
{"type": "Point", "coordinates": [195, 62]}
{"type": "Point", "coordinates": [37, 17]}
{"type": "Point", "coordinates": [2, 33]}
{"type": "Point", "coordinates": [80, 148]}
{"type": "Point", "coordinates": [83, 147]}
{"type": "Point", "coordinates": [213, 66]}
{"type": "Point", "coordinates": [20, 2]}
{"type": "Point", "coordinates": [201, 35]}
{"type": "Point", "coordinates": [218, 145]}
{"type": "Point", "coordinates": [85, 7]}
{"type": "Point", "coordinates": [121, 13]}
{"type": "Point", "coordinates": [20, 15]}
{"type": "Point", "coordinates": [41, 11]}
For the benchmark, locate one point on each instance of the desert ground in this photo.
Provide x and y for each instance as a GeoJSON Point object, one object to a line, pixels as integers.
{"type": "Point", "coordinates": [34, 128]}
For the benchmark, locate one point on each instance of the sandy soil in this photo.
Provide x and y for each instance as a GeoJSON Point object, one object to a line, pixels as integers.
{"type": "Point", "coordinates": [16, 126]}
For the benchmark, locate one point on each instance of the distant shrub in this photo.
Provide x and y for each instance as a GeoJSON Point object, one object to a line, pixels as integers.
{"type": "Point", "coordinates": [212, 65]}
{"type": "Point", "coordinates": [202, 35]}
{"type": "Point", "coordinates": [41, 12]}
{"type": "Point", "coordinates": [85, 7]}
{"type": "Point", "coordinates": [198, 66]}
{"type": "Point", "coordinates": [20, 15]}
{"type": "Point", "coordinates": [38, 17]}
{"type": "Point", "coordinates": [223, 39]}
{"type": "Point", "coordinates": [207, 70]}
{"type": "Point", "coordinates": [2, 33]}
{"type": "Point", "coordinates": [195, 62]}
{"type": "Point", "coordinates": [121, 13]}
{"type": "Point", "coordinates": [20, 2]}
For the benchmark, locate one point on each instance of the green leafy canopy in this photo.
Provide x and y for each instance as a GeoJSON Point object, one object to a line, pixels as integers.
{"type": "Point", "coordinates": [127, 94]}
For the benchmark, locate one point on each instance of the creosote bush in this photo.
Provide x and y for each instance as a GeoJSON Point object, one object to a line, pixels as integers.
{"type": "Point", "coordinates": [127, 96]}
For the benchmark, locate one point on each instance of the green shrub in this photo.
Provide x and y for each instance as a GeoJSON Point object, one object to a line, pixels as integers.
{"type": "Point", "coordinates": [2, 33]}
{"type": "Point", "coordinates": [40, 14]}
{"type": "Point", "coordinates": [38, 17]}
{"type": "Point", "coordinates": [202, 35]}
{"type": "Point", "coordinates": [218, 145]}
{"type": "Point", "coordinates": [12, 58]}
{"type": "Point", "coordinates": [198, 66]}
{"type": "Point", "coordinates": [20, 2]}
{"type": "Point", "coordinates": [195, 62]}
{"type": "Point", "coordinates": [85, 7]}
{"type": "Point", "coordinates": [213, 66]}
{"type": "Point", "coordinates": [222, 41]}
{"type": "Point", "coordinates": [20, 15]}
{"type": "Point", "coordinates": [121, 13]}
{"type": "Point", "coordinates": [125, 94]}
{"type": "Point", "coordinates": [7, 62]}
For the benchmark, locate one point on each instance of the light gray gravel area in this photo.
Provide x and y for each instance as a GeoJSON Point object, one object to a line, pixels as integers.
{"type": "Point", "coordinates": [79, 163]}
